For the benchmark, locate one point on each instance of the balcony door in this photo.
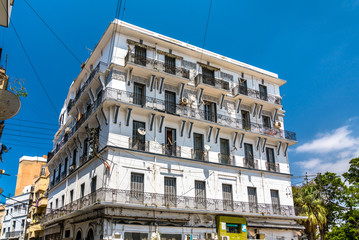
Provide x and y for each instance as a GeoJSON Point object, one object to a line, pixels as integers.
{"type": "Point", "coordinates": [275, 201]}
{"type": "Point", "coordinates": [139, 94]}
{"type": "Point", "coordinates": [138, 140]}
{"type": "Point", "coordinates": [246, 121]}
{"type": "Point", "coordinates": [170, 102]}
{"type": "Point", "coordinates": [248, 154]}
{"type": "Point", "coordinates": [252, 199]}
{"type": "Point", "coordinates": [170, 147]}
{"type": "Point", "coordinates": [200, 194]}
{"type": "Point", "coordinates": [224, 149]}
{"type": "Point", "coordinates": [137, 187]}
{"type": "Point", "coordinates": [198, 146]}
{"type": "Point", "coordinates": [140, 55]}
{"type": "Point", "coordinates": [170, 65]}
{"type": "Point", "coordinates": [270, 159]}
{"type": "Point", "coordinates": [263, 95]}
{"type": "Point", "coordinates": [208, 76]}
{"type": "Point", "coordinates": [170, 191]}
{"type": "Point", "coordinates": [242, 87]}
{"type": "Point", "coordinates": [210, 111]}
{"type": "Point", "coordinates": [227, 197]}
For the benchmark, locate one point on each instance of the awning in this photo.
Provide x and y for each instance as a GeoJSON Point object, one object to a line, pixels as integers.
{"type": "Point", "coordinates": [275, 225]}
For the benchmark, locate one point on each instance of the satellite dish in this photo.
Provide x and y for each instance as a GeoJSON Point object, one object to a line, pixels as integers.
{"type": "Point", "coordinates": [9, 104]}
{"type": "Point", "coordinates": [207, 147]}
{"type": "Point", "coordinates": [141, 131]}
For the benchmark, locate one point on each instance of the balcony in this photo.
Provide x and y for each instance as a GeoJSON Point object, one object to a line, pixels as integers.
{"type": "Point", "coordinates": [272, 167]}
{"type": "Point", "coordinates": [213, 82]}
{"type": "Point", "coordinates": [41, 202]}
{"type": "Point", "coordinates": [252, 93]}
{"type": "Point", "coordinates": [162, 202]}
{"type": "Point", "coordinates": [250, 163]}
{"type": "Point", "coordinates": [83, 158]}
{"type": "Point", "coordinates": [138, 144]}
{"type": "Point", "coordinates": [171, 150]}
{"type": "Point", "coordinates": [13, 234]}
{"type": "Point", "coordinates": [200, 155]}
{"type": "Point", "coordinates": [156, 65]}
{"type": "Point", "coordinates": [226, 159]}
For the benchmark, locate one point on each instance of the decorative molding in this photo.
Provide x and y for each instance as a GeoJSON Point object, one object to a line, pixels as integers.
{"type": "Point", "coordinates": [208, 67]}
{"type": "Point", "coordinates": [169, 54]}
{"type": "Point", "coordinates": [189, 65]}
{"type": "Point", "coordinates": [226, 76]}
{"type": "Point", "coordinates": [132, 42]}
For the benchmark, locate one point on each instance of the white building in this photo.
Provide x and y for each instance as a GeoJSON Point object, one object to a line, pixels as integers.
{"type": "Point", "coordinates": [161, 138]}
{"type": "Point", "coordinates": [15, 216]}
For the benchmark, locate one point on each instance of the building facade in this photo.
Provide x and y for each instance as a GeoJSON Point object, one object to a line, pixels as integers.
{"type": "Point", "coordinates": [2, 212]}
{"type": "Point", "coordinates": [161, 139]}
{"type": "Point", "coordinates": [14, 221]}
{"type": "Point", "coordinates": [37, 207]}
{"type": "Point", "coordinates": [29, 170]}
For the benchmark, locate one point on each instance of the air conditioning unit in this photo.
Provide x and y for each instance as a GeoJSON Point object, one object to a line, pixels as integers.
{"type": "Point", "coordinates": [224, 237]}
{"type": "Point", "coordinates": [235, 91]}
{"type": "Point", "coordinates": [210, 235]}
{"type": "Point", "coordinates": [184, 101]}
{"type": "Point", "coordinates": [278, 124]}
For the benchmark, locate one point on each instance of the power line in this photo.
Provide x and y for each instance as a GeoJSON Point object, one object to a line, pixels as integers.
{"type": "Point", "coordinates": [53, 32]}
{"type": "Point", "coordinates": [18, 140]}
{"type": "Point", "coordinates": [19, 130]}
{"type": "Point", "coordinates": [205, 31]}
{"type": "Point", "coordinates": [33, 68]}
{"type": "Point", "coordinates": [17, 119]}
{"type": "Point", "coordinates": [20, 125]}
{"type": "Point", "coordinates": [16, 135]}
{"type": "Point", "coordinates": [28, 146]}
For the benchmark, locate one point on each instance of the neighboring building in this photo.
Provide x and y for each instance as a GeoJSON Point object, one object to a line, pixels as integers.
{"type": "Point", "coordinates": [37, 207]}
{"type": "Point", "coordinates": [161, 138]}
{"type": "Point", "coordinates": [29, 170]}
{"type": "Point", "coordinates": [14, 221]}
{"type": "Point", "coordinates": [5, 12]}
{"type": "Point", "coordinates": [2, 212]}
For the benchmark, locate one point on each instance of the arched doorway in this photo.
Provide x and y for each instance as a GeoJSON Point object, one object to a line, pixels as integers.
{"type": "Point", "coordinates": [78, 235]}
{"type": "Point", "coordinates": [90, 235]}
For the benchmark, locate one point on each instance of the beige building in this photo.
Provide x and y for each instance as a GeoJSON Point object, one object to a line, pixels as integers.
{"type": "Point", "coordinates": [2, 211]}
{"type": "Point", "coordinates": [29, 169]}
{"type": "Point", "coordinates": [37, 207]}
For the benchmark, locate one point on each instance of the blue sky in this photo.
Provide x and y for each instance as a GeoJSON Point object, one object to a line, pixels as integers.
{"type": "Point", "coordinates": [311, 44]}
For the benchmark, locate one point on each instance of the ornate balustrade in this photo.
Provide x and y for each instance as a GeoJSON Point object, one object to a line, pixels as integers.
{"type": "Point", "coordinates": [241, 90]}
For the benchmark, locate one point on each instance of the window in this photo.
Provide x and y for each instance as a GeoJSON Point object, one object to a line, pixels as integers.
{"type": "Point", "coordinates": [275, 201]}
{"type": "Point", "coordinates": [170, 102]}
{"type": "Point", "coordinates": [233, 228]}
{"type": "Point", "coordinates": [23, 223]}
{"type": "Point", "coordinates": [210, 111]}
{"type": "Point", "coordinates": [208, 76]}
{"type": "Point", "coordinates": [67, 233]}
{"type": "Point", "coordinates": [82, 193]}
{"type": "Point", "coordinates": [74, 156]}
{"type": "Point", "coordinates": [224, 149]}
{"type": "Point", "coordinates": [54, 177]}
{"type": "Point", "coordinates": [14, 225]}
{"type": "Point", "coordinates": [139, 94]}
{"type": "Point", "coordinates": [170, 147]}
{"type": "Point", "coordinates": [198, 147]}
{"type": "Point", "coordinates": [63, 200]}
{"type": "Point", "coordinates": [65, 166]}
{"type": "Point", "coordinates": [85, 149]}
{"type": "Point", "coordinates": [136, 236]}
{"type": "Point", "coordinates": [59, 175]}
{"type": "Point", "coordinates": [170, 191]}
{"type": "Point", "coordinates": [56, 203]}
{"type": "Point", "coordinates": [50, 206]}
{"type": "Point", "coordinates": [248, 155]}
{"type": "Point", "coordinates": [43, 170]}
{"type": "Point", "coordinates": [263, 92]}
{"type": "Point", "coordinates": [140, 55]}
{"type": "Point", "coordinates": [252, 199]}
{"type": "Point", "coordinates": [93, 184]}
{"type": "Point", "coordinates": [7, 212]}
{"type": "Point", "coordinates": [170, 65]}
{"type": "Point", "coordinates": [3, 231]}
{"type": "Point", "coordinates": [71, 196]}
{"type": "Point", "coordinates": [138, 140]}
{"type": "Point", "coordinates": [271, 166]}
{"type": "Point", "coordinates": [227, 197]}
{"type": "Point", "coordinates": [246, 122]}
{"type": "Point", "coordinates": [242, 87]}
{"type": "Point", "coordinates": [266, 122]}
{"type": "Point", "coordinates": [200, 194]}
{"type": "Point", "coordinates": [137, 187]}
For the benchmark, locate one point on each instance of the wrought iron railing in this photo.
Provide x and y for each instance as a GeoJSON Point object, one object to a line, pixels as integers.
{"type": "Point", "coordinates": [83, 159]}
{"type": "Point", "coordinates": [250, 163]}
{"type": "Point", "coordinates": [139, 144]}
{"type": "Point", "coordinates": [215, 82]}
{"type": "Point", "coordinates": [177, 203]}
{"type": "Point", "coordinates": [171, 150]}
{"type": "Point", "coordinates": [226, 159]}
{"type": "Point", "coordinates": [13, 234]}
{"type": "Point", "coordinates": [273, 167]}
{"type": "Point", "coordinates": [242, 90]}
{"type": "Point", "coordinates": [201, 155]}
{"type": "Point", "coordinates": [157, 65]}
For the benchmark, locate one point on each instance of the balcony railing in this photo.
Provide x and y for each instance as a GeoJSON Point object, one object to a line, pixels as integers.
{"type": "Point", "coordinates": [226, 159]}
{"type": "Point", "coordinates": [242, 90]}
{"type": "Point", "coordinates": [201, 155]}
{"type": "Point", "coordinates": [187, 111]}
{"type": "Point", "coordinates": [157, 65]}
{"type": "Point", "coordinates": [215, 82]}
{"type": "Point", "coordinates": [171, 150]}
{"type": "Point", "coordinates": [250, 163]}
{"type": "Point", "coordinates": [13, 234]}
{"type": "Point", "coordinates": [161, 201]}
{"type": "Point", "coordinates": [138, 144]}
{"type": "Point", "coordinates": [272, 167]}
{"type": "Point", "coordinates": [83, 159]}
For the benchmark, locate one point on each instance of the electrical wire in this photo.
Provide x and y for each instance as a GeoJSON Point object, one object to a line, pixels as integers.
{"type": "Point", "coordinates": [20, 125]}
{"type": "Point", "coordinates": [16, 135]}
{"type": "Point", "coordinates": [33, 68]}
{"type": "Point", "coordinates": [206, 28]}
{"type": "Point", "coordinates": [22, 120]}
{"type": "Point", "coordinates": [19, 130]}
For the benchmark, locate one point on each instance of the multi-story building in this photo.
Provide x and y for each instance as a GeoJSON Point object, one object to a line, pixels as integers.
{"type": "Point", "coordinates": [2, 212]}
{"type": "Point", "coordinates": [14, 221]}
{"type": "Point", "coordinates": [29, 170]}
{"type": "Point", "coordinates": [37, 207]}
{"type": "Point", "coordinates": [159, 138]}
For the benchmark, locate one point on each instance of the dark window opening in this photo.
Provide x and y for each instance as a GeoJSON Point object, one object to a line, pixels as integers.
{"type": "Point", "coordinates": [170, 147]}
{"type": "Point", "coordinates": [139, 94]}
{"type": "Point", "coordinates": [246, 122]}
{"type": "Point", "coordinates": [224, 150]}
{"type": "Point", "coordinates": [208, 76]}
{"type": "Point", "coordinates": [263, 93]}
{"type": "Point", "coordinates": [170, 102]}
{"type": "Point", "coordinates": [210, 111]}
{"type": "Point", "coordinates": [137, 187]}
{"type": "Point", "coordinates": [138, 140]}
{"type": "Point", "coordinates": [198, 147]}
{"type": "Point", "coordinates": [170, 65]}
{"type": "Point", "coordinates": [200, 194]}
{"type": "Point", "coordinates": [140, 55]}
{"type": "Point", "coordinates": [242, 87]}
{"type": "Point", "coordinates": [248, 155]}
{"type": "Point", "coordinates": [266, 122]}
{"type": "Point", "coordinates": [170, 191]}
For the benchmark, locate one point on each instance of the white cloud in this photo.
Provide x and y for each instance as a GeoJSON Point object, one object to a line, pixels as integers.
{"type": "Point", "coordinates": [338, 139]}
{"type": "Point", "coordinates": [329, 151]}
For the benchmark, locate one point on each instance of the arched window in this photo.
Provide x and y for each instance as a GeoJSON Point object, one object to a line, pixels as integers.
{"type": "Point", "coordinates": [78, 235]}
{"type": "Point", "coordinates": [90, 235]}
